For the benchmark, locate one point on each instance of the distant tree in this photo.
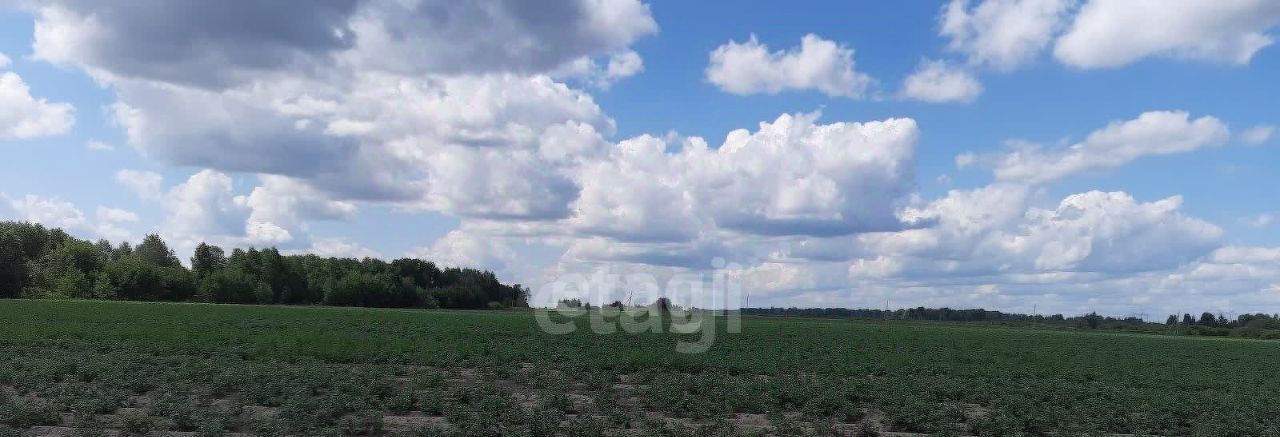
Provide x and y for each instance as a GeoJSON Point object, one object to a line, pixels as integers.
{"type": "Point", "coordinates": [1187, 319]}
{"type": "Point", "coordinates": [663, 304]}
{"type": "Point", "coordinates": [40, 262]}
{"type": "Point", "coordinates": [1208, 319]}
{"type": "Point", "coordinates": [1092, 320]}
{"type": "Point", "coordinates": [1172, 320]}
{"type": "Point", "coordinates": [154, 251]}
{"type": "Point", "coordinates": [206, 260]}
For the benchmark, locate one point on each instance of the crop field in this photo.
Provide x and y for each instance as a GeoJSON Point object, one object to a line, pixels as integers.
{"type": "Point", "coordinates": [110, 368]}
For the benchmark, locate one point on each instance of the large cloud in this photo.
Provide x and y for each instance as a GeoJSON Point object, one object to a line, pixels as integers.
{"type": "Point", "coordinates": [217, 44]}
{"type": "Point", "coordinates": [108, 223]}
{"type": "Point", "coordinates": [791, 177]}
{"type": "Point", "coordinates": [1006, 34]}
{"type": "Point", "coordinates": [1112, 33]}
{"type": "Point", "coordinates": [360, 100]}
{"type": "Point", "coordinates": [1152, 133]}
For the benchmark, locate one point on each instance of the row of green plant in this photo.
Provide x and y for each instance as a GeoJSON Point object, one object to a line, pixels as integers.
{"type": "Point", "coordinates": [491, 373]}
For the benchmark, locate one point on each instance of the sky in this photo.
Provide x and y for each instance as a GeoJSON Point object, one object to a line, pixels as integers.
{"type": "Point", "coordinates": [1058, 155]}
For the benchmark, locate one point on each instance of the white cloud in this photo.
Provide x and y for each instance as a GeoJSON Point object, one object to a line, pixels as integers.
{"type": "Point", "coordinates": [144, 184]}
{"type": "Point", "coordinates": [1257, 134]}
{"type": "Point", "coordinates": [23, 116]}
{"type": "Point", "coordinates": [619, 66]}
{"type": "Point", "coordinates": [1113, 33]}
{"type": "Point", "coordinates": [116, 215]}
{"type": "Point", "coordinates": [99, 146]}
{"type": "Point", "coordinates": [937, 82]}
{"type": "Point", "coordinates": [1152, 133]}
{"type": "Point", "coordinates": [204, 206]}
{"type": "Point", "coordinates": [460, 248]}
{"type": "Point", "coordinates": [1002, 34]}
{"type": "Point", "coordinates": [4, 60]}
{"type": "Point", "coordinates": [51, 212]}
{"type": "Point", "coordinates": [281, 207]}
{"type": "Point", "coordinates": [791, 177]}
{"type": "Point", "coordinates": [817, 64]}
{"type": "Point", "coordinates": [112, 221]}
{"type": "Point", "coordinates": [340, 248]}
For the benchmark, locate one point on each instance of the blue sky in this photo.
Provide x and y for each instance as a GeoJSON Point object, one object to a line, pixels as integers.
{"type": "Point", "coordinates": [1117, 156]}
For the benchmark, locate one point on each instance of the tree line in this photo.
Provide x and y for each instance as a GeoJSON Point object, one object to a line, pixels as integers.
{"type": "Point", "coordinates": [1257, 325]}
{"type": "Point", "coordinates": [38, 262]}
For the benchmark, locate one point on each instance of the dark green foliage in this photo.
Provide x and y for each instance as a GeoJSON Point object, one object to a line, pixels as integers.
{"type": "Point", "coordinates": [228, 286]}
{"type": "Point", "coordinates": [207, 260]}
{"type": "Point", "coordinates": [13, 265]}
{"type": "Point", "coordinates": [154, 251]}
{"type": "Point", "coordinates": [43, 263]}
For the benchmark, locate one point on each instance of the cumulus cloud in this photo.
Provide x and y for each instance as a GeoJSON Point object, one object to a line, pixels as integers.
{"type": "Point", "coordinates": [145, 184]}
{"type": "Point", "coordinates": [1002, 34]}
{"type": "Point", "coordinates": [4, 60]}
{"type": "Point", "coordinates": [53, 212]}
{"type": "Point", "coordinates": [1152, 133]}
{"type": "Point", "coordinates": [280, 207]}
{"type": "Point", "coordinates": [1112, 33]}
{"type": "Point", "coordinates": [204, 205]}
{"type": "Point", "coordinates": [817, 64]}
{"type": "Point", "coordinates": [23, 116]}
{"type": "Point", "coordinates": [462, 248]}
{"type": "Point", "coordinates": [1006, 34]}
{"type": "Point", "coordinates": [340, 248]}
{"type": "Point", "coordinates": [587, 69]}
{"type": "Point", "coordinates": [112, 223]}
{"type": "Point", "coordinates": [1007, 245]}
{"type": "Point", "coordinates": [791, 177]}
{"type": "Point", "coordinates": [937, 82]}
{"type": "Point", "coordinates": [359, 98]}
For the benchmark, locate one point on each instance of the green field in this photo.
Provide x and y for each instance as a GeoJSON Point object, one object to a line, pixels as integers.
{"type": "Point", "coordinates": [213, 369]}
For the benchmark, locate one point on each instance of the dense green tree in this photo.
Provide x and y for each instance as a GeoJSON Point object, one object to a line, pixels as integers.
{"type": "Point", "coordinates": [122, 251]}
{"type": "Point", "coordinates": [154, 251]}
{"type": "Point", "coordinates": [228, 286]}
{"type": "Point", "coordinates": [1208, 319]}
{"type": "Point", "coordinates": [40, 262]}
{"type": "Point", "coordinates": [13, 264]}
{"type": "Point", "coordinates": [206, 260]}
